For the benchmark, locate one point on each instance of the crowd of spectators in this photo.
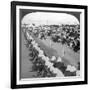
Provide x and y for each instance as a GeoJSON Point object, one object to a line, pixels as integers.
{"type": "Point", "coordinates": [65, 34]}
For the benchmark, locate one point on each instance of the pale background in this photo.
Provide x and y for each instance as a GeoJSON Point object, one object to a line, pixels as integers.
{"type": "Point", "coordinates": [5, 44]}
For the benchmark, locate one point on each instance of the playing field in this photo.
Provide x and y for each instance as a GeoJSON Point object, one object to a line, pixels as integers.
{"type": "Point", "coordinates": [57, 49]}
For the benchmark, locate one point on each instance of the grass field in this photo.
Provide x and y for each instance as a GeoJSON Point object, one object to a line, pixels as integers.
{"type": "Point", "coordinates": [26, 64]}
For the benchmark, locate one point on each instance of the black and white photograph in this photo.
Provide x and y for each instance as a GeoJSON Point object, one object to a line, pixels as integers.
{"type": "Point", "coordinates": [49, 44]}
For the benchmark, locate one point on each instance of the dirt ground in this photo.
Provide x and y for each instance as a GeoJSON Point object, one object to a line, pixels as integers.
{"type": "Point", "coordinates": [57, 49]}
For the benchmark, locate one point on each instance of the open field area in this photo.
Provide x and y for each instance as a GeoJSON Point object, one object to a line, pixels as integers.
{"type": "Point", "coordinates": [57, 49]}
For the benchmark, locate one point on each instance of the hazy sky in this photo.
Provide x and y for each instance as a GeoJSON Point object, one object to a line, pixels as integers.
{"type": "Point", "coordinates": [39, 18]}
{"type": "Point", "coordinates": [24, 12]}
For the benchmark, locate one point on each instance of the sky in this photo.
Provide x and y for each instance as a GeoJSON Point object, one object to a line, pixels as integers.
{"type": "Point", "coordinates": [50, 18]}
{"type": "Point", "coordinates": [26, 12]}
